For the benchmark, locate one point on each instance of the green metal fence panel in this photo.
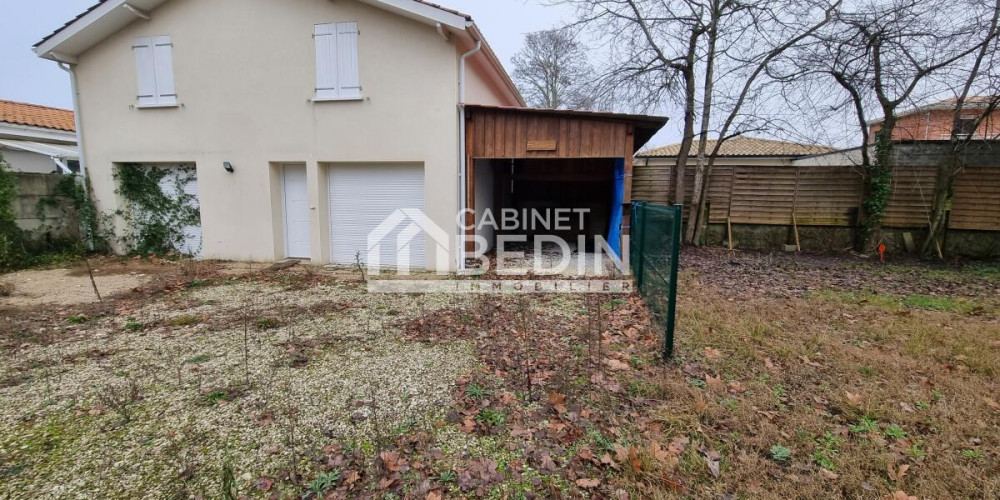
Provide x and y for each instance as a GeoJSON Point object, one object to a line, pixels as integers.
{"type": "Point", "coordinates": [654, 247]}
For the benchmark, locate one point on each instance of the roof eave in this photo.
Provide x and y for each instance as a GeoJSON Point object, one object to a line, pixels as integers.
{"type": "Point", "coordinates": [109, 16]}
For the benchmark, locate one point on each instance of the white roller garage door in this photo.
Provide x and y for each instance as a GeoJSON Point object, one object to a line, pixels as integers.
{"type": "Point", "coordinates": [361, 197]}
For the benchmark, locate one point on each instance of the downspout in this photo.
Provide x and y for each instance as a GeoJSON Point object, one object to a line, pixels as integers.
{"type": "Point", "coordinates": [79, 142]}
{"type": "Point", "coordinates": [462, 195]}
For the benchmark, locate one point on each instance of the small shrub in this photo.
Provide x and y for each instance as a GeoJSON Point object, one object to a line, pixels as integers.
{"type": "Point", "coordinates": [120, 397]}
{"type": "Point", "coordinates": [780, 453]}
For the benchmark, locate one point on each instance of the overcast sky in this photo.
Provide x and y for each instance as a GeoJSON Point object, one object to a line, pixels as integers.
{"type": "Point", "coordinates": [27, 78]}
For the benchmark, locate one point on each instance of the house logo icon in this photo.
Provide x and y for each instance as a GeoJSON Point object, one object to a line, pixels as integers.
{"type": "Point", "coordinates": [398, 241]}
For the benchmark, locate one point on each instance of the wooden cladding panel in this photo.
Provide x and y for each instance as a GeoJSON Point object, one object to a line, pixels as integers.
{"type": "Point", "coordinates": [653, 183]}
{"type": "Point", "coordinates": [763, 195]}
{"type": "Point", "coordinates": [719, 189]}
{"type": "Point", "coordinates": [827, 196]}
{"type": "Point", "coordinates": [910, 198]}
{"type": "Point", "coordinates": [512, 134]}
{"type": "Point", "coordinates": [977, 200]}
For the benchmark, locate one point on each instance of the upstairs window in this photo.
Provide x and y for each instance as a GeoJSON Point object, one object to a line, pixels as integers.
{"type": "Point", "coordinates": [965, 126]}
{"type": "Point", "coordinates": [154, 67]}
{"type": "Point", "coordinates": [337, 61]}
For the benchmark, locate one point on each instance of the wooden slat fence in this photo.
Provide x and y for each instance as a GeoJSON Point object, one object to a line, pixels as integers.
{"type": "Point", "coordinates": [825, 195]}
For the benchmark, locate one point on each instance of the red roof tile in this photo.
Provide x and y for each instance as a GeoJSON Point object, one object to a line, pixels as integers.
{"type": "Point", "coordinates": [34, 115]}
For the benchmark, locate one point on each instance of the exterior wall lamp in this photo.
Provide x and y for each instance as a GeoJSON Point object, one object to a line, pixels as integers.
{"type": "Point", "coordinates": [228, 166]}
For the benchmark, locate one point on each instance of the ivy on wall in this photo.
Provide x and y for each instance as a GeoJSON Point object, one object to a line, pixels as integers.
{"type": "Point", "coordinates": [156, 208]}
{"type": "Point", "coordinates": [70, 199]}
{"type": "Point", "coordinates": [12, 250]}
{"type": "Point", "coordinates": [879, 187]}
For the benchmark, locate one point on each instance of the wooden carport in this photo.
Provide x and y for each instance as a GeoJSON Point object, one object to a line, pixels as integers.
{"type": "Point", "coordinates": [494, 133]}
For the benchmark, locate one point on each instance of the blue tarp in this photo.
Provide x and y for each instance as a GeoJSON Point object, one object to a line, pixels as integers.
{"type": "Point", "coordinates": [615, 231]}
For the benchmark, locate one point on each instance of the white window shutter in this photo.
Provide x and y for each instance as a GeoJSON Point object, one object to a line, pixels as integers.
{"type": "Point", "coordinates": [347, 60]}
{"type": "Point", "coordinates": [326, 61]}
{"type": "Point", "coordinates": [164, 69]}
{"type": "Point", "coordinates": [145, 71]}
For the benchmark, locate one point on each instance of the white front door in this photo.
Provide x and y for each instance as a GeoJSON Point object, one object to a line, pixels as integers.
{"type": "Point", "coordinates": [296, 200]}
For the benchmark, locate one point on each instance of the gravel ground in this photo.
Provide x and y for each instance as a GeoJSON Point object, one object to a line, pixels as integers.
{"type": "Point", "coordinates": [321, 369]}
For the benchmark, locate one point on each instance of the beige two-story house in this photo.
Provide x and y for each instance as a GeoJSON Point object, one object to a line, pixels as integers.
{"type": "Point", "coordinates": [300, 125]}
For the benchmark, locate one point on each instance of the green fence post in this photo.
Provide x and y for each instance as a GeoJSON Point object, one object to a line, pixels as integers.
{"type": "Point", "coordinates": [675, 247]}
{"type": "Point", "coordinates": [640, 223]}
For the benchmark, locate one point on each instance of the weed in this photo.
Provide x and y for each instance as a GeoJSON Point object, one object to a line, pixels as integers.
{"type": "Point", "coordinates": [215, 397]}
{"type": "Point", "coordinates": [184, 321]}
{"type": "Point", "coordinates": [201, 358]}
{"type": "Point", "coordinates": [636, 362]}
{"type": "Point", "coordinates": [916, 450]}
{"type": "Point", "coordinates": [448, 476]}
{"type": "Point", "coordinates": [729, 403]}
{"type": "Point", "coordinates": [864, 426]}
{"type": "Point", "coordinates": [133, 326]}
{"type": "Point", "coordinates": [490, 417]}
{"type": "Point", "coordinates": [866, 370]}
{"type": "Point", "coordinates": [895, 431]}
{"type": "Point", "coordinates": [922, 405]}
{"type": "Point", "coordinates": [477, 392]}
{"type": "Point", "coordinates": [827, 448]}
{"type": "Point", "coordinates": [6, 289]}
{"type": "Point", "coordinates": [228, 480]}
{"type": "Point", "coordinates": [267, 323]}
{"type": "Point", "coordinates": [602, 441]}
{"type": "Point", "coordinates": [195, 284]}
{"type": "Point", "coordinates": [780, 453]}
{"type": "Point", "coordinates": [324, 481]}
{"type": "Point", "coordinates": [970, 454]}
{"type": "Point", "coordinates": [937, 395]}
{"type": "Point", "coordinates": [779, 391]}
{"type": "Point", "coordinates": [76, 319]}
{"type": "Point", "coordinates": [697, 382]}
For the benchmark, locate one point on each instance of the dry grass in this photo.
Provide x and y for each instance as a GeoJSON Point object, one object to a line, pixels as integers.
{"type": "Point", "coordinates": [862, 386]}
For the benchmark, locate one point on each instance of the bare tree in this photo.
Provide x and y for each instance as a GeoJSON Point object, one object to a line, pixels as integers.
{"type": "Point", "coordinates": [552, 71]}
{"type": "Point", "coordinates": [651, 50]}
{"type": "Point", "coordinates": [880, 54]}
{"type": "Point", "coordinates": [772, 33]}
{"type": "Point", "coordinates": [964, 129]}
{"type": "Point", "coordinates": [667, 50]}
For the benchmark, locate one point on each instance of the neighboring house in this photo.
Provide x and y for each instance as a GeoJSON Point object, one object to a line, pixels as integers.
{"type": "Point", "coordinates": [934, 122]}
{"type": "Point", "coordinates": [38, 139]}
{"type": "Point", "coordinates": [306, 123]}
